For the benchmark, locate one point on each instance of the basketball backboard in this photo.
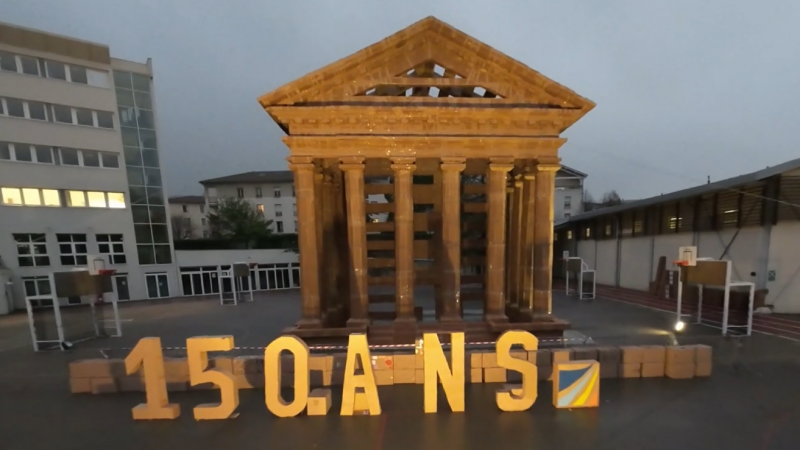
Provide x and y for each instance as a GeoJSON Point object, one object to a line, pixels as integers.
{"type": "Point", "coordinates": [96, 263]}
{"type": "Point", "coordinates": [687, 255]}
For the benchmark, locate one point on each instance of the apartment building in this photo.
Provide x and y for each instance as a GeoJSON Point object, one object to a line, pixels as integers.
{"type": "Point", "coordinates": [569, 193]}
{"type": "Point", "coordinates": [189, 217]}
{"type": "Point", "coordinates": [79, 168]}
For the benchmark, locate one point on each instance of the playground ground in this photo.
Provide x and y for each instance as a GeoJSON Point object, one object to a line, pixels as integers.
{"type": "Point", "coordinates": [749, 402]}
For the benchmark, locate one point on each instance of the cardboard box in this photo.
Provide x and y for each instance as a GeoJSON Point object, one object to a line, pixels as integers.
{"type": "Point", "coordinates": [131, 383]}
{"type": "Point", "coordinates": [248, 364]}
{"type": "Point", "coordinates": [561, 355]}
{"type": "Point", "coordinates": [382, 362]}
{"type": "Point", "coordinates": [419, 376]}
{"type": "Point", "coordinates": [488, 360]}
{"type": "Point", "coordinates": [609, 370]}
{"type": "Point", "coordinates": [420, 359]}
{"type": "Point", "coordinates": [632, 354]}
{"type": "Point", "coordinates": [97, 368]}
{"type": "Point", "coordinates": [652, 369]}
{"type": "Point", "coordinates": [180, 386]}
{"type": "Point", "coordinates": [630, 370]}
{"type": "Point", "coordinates": [680, 371]}
{"type": "Point", "coordinates": [82, 385]}
{"type": "Point", "coordinates": [703, 353]}
{"type": "Point", "coordinates": [320, 362]}
{"type": "Point", "coordinates": [609, 356]}
{"type": "Point", "coordinates": [541, 357]}
{"type": "Point", "coordinates": [512, 376]}
{"type": "Point", "coordinates": [654, 354]}
{"type": "Point", "coordinates": [405, 376]}
{"type": "Point", "coordinates": [339, 361]}
{"type": "Point", "coordinates": [494, 375]}
{"type": "Point", "coordinates": [703, 369]}
{"type": "Point", "coordinates": [545, 372]}
{"type": "Point", "coordinates": [519, 354]}
{"type": "Point", "coordinates": [476, 359]}
{"type": "Point", "coordinates": [584, 354]}
{"type": "Point", "coordinates": [680, 355]}
{"type": "Point", "coordinates": [103, 385]}
{"type": "Point", "coordinates": [220, 363]}
{"type": "Point", "coordinates": [319, 402]}
{"type": "Point", "coordinates": [384, 377]}
{"type": "Point", "coordinates": [405, 362]}
{"type": "Point", "coordinates": [475, 375]}
{"type": "Point", "coordinates": [248, 381]}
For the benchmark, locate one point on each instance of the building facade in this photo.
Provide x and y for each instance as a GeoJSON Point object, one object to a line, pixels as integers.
{"type": "Point", "coordinates": [189, 217]}
{"type": "Point", "coordinates": [752, 220]}
{"type": "Point", "coordinates": [79, 167]}
{"type": "Point", "coordinates": [568, 199]}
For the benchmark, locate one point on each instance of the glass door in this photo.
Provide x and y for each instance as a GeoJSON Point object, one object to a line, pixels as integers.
{"type": "Point", "coordinates": [121, 287]}
{"type": "Point", "coordinates": [157, 285]}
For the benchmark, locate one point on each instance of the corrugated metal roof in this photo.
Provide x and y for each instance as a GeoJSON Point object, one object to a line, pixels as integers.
{"type": "Point", "coordinates": [274, 176]}
{"type": "Point", "coordinates": [729, 183]}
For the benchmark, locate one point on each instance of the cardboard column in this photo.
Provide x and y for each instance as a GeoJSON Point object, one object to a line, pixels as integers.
{"type": "Point", "coordinates": [515, 265]}
{"type": "Point", "coordinates": [319, 228]}
{"type": "Point", "coordinates": [451, 237]}
{"type": "Point", "coordinates": [528, 219]}
{"type": "Point", "coordinates": [330, 255]}
{"type": "Point", "coordinates": [543, 236]}
{"type": "Point", "coordinates": [496, 239]}
{"type": "Point", "coordinates": [303, 169]}
{"type": "Point", "coordinates": [353, 168]}
{"type": "Point", "coordinates": [404, 238]}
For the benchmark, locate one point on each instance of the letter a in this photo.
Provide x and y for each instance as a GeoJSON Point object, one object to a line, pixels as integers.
{"type": "Point", "coordinates": [358, 347]}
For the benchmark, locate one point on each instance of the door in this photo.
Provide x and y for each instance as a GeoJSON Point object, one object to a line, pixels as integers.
{"type": "Point", "coordinates": [157, 285]}
{"type": "Point", "coordinates": [121, 286]}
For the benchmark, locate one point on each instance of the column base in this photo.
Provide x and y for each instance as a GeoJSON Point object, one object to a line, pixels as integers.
{"type": "Point", "coordinates": [355, 323]}
{"type": "Point", "coordinates": [309, 323]}
{"type": "Point", "coordinates": [450, 318]}
{"type": "Point", "coordinates": [406, 320]}
{"type": "Point", "coordinates": [496, 318]}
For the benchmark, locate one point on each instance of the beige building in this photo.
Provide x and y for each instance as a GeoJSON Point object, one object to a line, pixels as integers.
{"type": "Point", "coordinates": [753, 220]}
{"type": "Point", "coordinates": [80, 171]}
{"type": "Point", "coordinates": [188, 217]}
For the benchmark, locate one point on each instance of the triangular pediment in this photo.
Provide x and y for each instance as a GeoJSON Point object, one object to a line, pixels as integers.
{"type": "Point", "coordinates": [428, 59]}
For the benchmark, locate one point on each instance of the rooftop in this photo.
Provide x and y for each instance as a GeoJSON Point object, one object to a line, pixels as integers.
{"type": "Point", "coordinates": [270, 176]}
{"type": "Point", "coordinates": [188, 199]}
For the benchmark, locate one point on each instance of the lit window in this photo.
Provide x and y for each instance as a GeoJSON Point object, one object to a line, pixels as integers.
{"type": "Point", "coordinates": [51, 197]}
{"type": "Point", "coordinates": [12, 196]}
{"type": "Point", "coordinates": [116, 200]}
{"type": "Point", "coordinates": [76, 198]}
{"type": "Point", "coordinates": [31, 197]}
{"type": "Point", "coordinates": [569, 234]}
{"type": "Point", "coordinates": [96, 199]}
{"type": "Point", "coordinates": [588, 232]}
{"type": "Point", "coordinates": [260, 209]}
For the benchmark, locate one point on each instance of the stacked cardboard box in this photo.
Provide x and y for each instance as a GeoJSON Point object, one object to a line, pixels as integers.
{"type": "Point", "coordinates": [99, 376]}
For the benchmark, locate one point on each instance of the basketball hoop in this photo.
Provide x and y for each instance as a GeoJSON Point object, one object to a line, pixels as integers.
{"type": "Point", "coordinates": [681, 263]}
{"type": "Point", "coordinates": [106, 272]}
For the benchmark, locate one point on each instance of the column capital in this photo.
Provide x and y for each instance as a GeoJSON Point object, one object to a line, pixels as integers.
{"type": "Point", "coordinates": [548, 165]}
{"type": "Point", "coordinates": [348, 163]}
{"type": "Point", "coordinates": [501, 164]}
{"type": "Point", "coordinates": [301, 163]}
{"type": "Point", "coordinates": [404, 164]}
{"type": "Point", "coordinates": [453, 163]}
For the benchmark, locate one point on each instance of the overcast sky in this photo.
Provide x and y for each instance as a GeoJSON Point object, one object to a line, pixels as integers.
{"type": "Point", "coordinates": [684, 88]}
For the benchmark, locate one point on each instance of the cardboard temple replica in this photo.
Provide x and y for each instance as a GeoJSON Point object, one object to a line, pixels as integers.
{"type": "Point", "coordinates": [462, 141]}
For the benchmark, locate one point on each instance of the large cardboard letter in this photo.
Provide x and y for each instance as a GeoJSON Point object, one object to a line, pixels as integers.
{"type": "Point", "coordinates": [514, 397]}
{"type": "Point", "coordinates": [435, 364]}
{"type": "Point", "coordinates": [357, 347]}
{"type": "Point", "coordinates": [147, 354]}
{"type": "Point", "coordinates": [197, 349]}
{"type": "Point", "coordinates": [272, 376]}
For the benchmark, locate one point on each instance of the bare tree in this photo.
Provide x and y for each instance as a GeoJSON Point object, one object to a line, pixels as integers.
{"type": "Point", "coordinates": [588, 201]}
{"type": "Point", "coordinates": [181, 228]}
{"type": "Point", "coordinates": [611, 198]}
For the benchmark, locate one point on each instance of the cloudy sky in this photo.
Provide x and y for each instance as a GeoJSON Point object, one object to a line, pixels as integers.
{"type": "Point", "coordinates": [685, 89]}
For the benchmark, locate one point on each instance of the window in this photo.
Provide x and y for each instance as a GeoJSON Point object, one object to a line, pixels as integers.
{"type": "Point", "coordinates": [205, 233]}
{"type": "Point", "coordinates": [23, 153]}
{"type": "Point", "coordinates": [260, 209]}
{"type": "Point", "coordinates": [14, 107]}
{"type": "Point", "coordinates": [91, 158]}
{"type": "Point", "coordinates": [76, 199]}
{"type": "Point", "coordinates": [31, 249]}
{"type": "Point", "coordinates": [44, 154]}
{"type": "Point", "coordinates": [111, 245]}
{"type": "Point", "coordinates": [202, 209]}
{"type": "Point", "coordinates": [56, 70]}
{"type": "Point", "coordinates": [567, 215]}
{"type": "Point", "coordinates": [279, 226]}
{"type": "Point", "coordinates": [116, 200]}
{"type": "Point", "coordinates": [5, 151]}
{"type": "Point", "coordinates": [185, 209]}
{"type": "Point", "coordinates": [203, 221]}
{"type": "Point", "coordinates": [568, 202]}
{"type": "Point", "coordinates": [258, 192]}
{"type": "Point", "coordinates": [588, 232]}
{"type": "Point", "coordinates": [77, 74]}
{"type": "Point", "coordinates": [30, 66]}
{"type": "Point", "coordinates": [569, 234]}
{"type": "Point", "coordinates": [607, 230]}
{"type": "Point", "coordinates": [72, 248]}
{"type": "Point", "coordinates": [109, 160]}
{"type": "Point", "coordinates": [62, 114]}
{"type": "Point", "coordinates": [240, 192]}
{"type": "Point", "coordinates": [278, 212]}
{"type": "Point", "coordinates": [30, 197]}
{"type": "Point", "coordinates": [37, 110]}
{"type": "Point", "coordinates": [88, 158]}
{"type": "Point", "coordinates": [105, 119]}
{"type": "Point", "coordinates": [96, 199]}
{"type": "Point", "coordinates": [276, 191]}
{"type": "Point", "coordinates": [8, 62]}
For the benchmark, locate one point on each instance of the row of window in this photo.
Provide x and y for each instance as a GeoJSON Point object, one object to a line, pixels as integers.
{"type": "Point", "coordinates": [260, 209]}
{"type": "Point", "coordinates": [43, 154]}
{"type": "Point", "coordinates": [72, 249]}
{"type": "Point", "coordinates": [276, 192]}
{"type": "Point", "coordinates": [29, 109]}
{"type": "Point", "coordinates": [13, 196]}
{"type": "Point", "coordinates": [72, 73]}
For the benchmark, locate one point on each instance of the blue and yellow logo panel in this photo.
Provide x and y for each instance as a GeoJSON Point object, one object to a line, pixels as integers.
{"type": "Point", "coordinates": [576, 384]}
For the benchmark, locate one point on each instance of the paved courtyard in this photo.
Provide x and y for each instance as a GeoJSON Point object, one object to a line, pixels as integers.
{"type": "Point", "coordinates": [750, 402]}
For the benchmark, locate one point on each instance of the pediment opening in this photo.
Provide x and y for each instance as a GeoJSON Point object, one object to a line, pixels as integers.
{"type": "Point", "coordinates": [430, 69]}
{"type": "Point", "coordinates": [393, 90]}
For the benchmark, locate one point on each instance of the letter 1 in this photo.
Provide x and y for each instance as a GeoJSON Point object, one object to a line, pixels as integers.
{"type": "Point", "coordinates": [147, 355]}
{"type": "Point", "coordinates": [435, 364]}
{"type": "Point", "coordinates": [272, 376]}
{"type": "Point", "coordinates": [515, 397]}
{"type": "Point", "coordinates": [197, 349]}
{"type": "Point", "coordinates": [357, 347]}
